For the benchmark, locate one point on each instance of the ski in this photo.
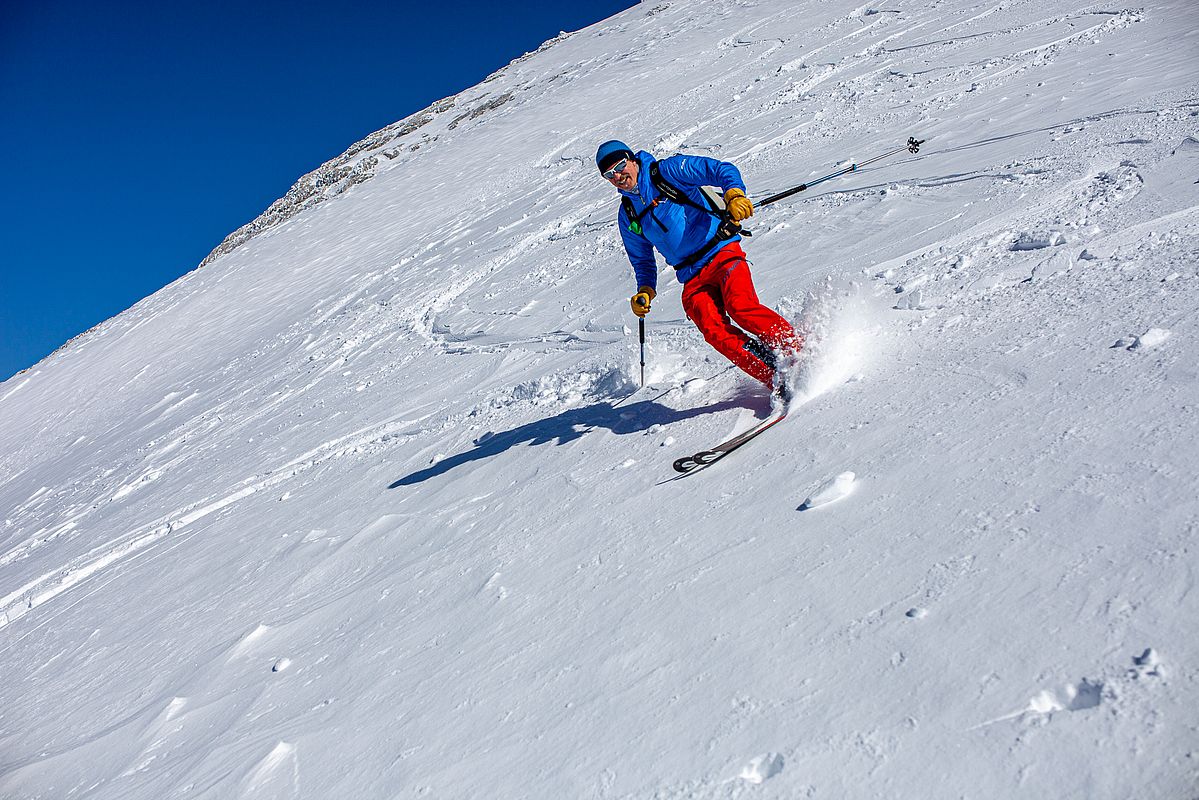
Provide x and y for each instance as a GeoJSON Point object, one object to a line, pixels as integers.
{"type": "Point", "coordinates": [705, 458]}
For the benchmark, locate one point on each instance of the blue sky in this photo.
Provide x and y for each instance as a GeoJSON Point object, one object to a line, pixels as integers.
{"type": "Point", "coordinates": [136, 136]}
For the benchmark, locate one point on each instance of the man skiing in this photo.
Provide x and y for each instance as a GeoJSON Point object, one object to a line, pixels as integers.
{"type": "Point", "coordinates": [662, 207]}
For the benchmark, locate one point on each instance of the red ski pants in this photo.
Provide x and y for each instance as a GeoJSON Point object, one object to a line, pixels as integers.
{"type": "Point", "coordinates": [724, 291]}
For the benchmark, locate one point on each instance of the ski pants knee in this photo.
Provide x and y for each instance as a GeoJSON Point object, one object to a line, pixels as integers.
{"type": "Point", "coordinates": [723, 293]}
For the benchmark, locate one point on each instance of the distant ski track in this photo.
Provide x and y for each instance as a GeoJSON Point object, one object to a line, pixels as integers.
{"type": "Point", "coordinates": [35, 593]}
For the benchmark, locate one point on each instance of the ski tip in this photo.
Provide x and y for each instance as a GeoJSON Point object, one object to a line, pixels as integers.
{"type": "Point", "coordinates": [684, 465]}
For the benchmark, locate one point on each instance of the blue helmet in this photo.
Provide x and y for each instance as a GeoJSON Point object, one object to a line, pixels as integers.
{"type": "Point", "coordinates": [611, 152]}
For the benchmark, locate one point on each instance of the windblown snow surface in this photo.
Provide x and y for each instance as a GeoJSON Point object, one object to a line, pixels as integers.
{"type": "Point", "coordinates": [372, 506]}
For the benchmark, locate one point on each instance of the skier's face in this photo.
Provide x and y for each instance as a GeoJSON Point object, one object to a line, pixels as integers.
{"type": "Point", "coordinates": [626, 179]}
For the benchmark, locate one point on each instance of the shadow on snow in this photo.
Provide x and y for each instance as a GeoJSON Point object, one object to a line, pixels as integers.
{"type": "Point", "coordinates": [569, 426]}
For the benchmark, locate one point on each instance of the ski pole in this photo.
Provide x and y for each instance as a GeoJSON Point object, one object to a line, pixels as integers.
{"type": "Point", "coordinates": [913, 146]}
{"type": "Point", "coordinates": [641, 327]}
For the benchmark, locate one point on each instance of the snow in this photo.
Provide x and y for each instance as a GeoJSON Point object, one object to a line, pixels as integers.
{"type": "Point", "coordinates": [1150, 339]}
{"type": "Point", "coordinates": [832, 490]}
{"type": "Point", "coordinates": [371, 504]}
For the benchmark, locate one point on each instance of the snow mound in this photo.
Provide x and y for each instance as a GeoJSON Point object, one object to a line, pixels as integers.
{"type": "Point", "coordinates": [1151, 338]}
{"type": "Point", "coordinates": [830, 491]}
{"type": "Point", "coordinates": [567, 388]}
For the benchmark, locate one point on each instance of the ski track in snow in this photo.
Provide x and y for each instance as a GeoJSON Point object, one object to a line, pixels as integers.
{"type": "Point", "coordinates": [46, 587]}
{"type": "Point", "coordinates": [360, 510]}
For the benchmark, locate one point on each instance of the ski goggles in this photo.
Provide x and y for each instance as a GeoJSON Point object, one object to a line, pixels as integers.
{"type": "Point", "coordinates": [619, 166]}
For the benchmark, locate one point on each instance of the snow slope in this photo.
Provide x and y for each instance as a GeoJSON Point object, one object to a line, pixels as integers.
{"type": "Point", "coordinates": [371, 505]}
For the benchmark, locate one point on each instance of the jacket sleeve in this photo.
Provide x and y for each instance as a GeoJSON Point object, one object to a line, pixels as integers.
{"type": "Point", "coordinates": [692, 171]}
{"type": "Point", "coordinates": [640, 252]}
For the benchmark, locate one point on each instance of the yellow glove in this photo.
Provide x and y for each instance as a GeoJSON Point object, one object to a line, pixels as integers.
{"type": "Point", "coordinates": [640, 301]}
{"type": "Point", "coordinates": [738, 205]}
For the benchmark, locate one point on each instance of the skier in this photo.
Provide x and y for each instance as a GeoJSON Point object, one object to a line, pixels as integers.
{"type": "Point", "coordinates": [662, 207]}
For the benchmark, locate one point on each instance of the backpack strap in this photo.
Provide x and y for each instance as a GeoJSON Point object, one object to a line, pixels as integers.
{"type": "Point", "coordinates": [626, 204]}
{"type": "Point", "coordinates": [672, 192]}
{"type": "Point", "coordinates": [669, 191]}
{"type": "Point", "coordinates": [727, 230]}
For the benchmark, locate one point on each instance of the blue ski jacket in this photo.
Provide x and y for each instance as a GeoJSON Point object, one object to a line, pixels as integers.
{"type": "Point", "coordinates": [676, 230]}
